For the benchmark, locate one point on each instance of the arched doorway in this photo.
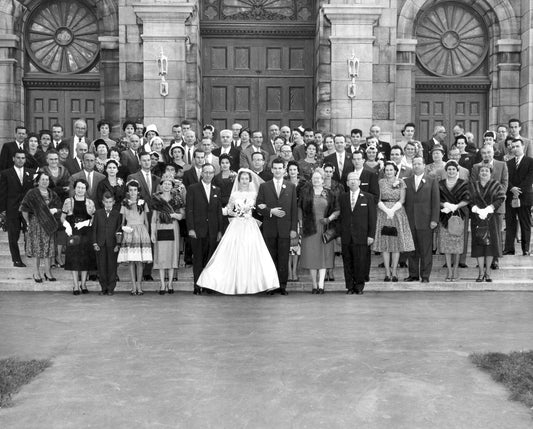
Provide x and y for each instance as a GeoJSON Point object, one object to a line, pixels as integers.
{"type": "Point", "coordinates": [257, 63]}
{"type": "Point", "coordinates": [452, 74]}
{"type": "Point", "coordinates": [62, 79]}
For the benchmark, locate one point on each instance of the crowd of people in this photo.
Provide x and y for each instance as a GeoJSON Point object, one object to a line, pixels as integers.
{"type": "Point", "coordinates": [248, 210]}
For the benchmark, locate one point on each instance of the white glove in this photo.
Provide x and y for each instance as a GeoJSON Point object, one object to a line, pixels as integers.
{"type": "Point", "coordinates": [447, 206]}
{"type": "Point", "coordinates": [127, 229]}
{"type": "Point", "coordinates": [80, 225]}
{"type": "Point", "coordinates": [446, 209]}
{"type": "Point", "coordinates": [482, 213]}
{"type": "Point", "coordinates": [68, 228]}
{"type": "Point", "coordinates": [224, 211]}
{"type": "Point", "coordinates": [475, 209]}
{"type": "Point", "coordinates": [453, 207]}
{"type": "Point", "coordinates": [489, 209]}
{"type": "Point", "coordinates": [389, 213]}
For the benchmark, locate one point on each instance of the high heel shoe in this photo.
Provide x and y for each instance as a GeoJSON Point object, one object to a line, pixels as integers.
{"type": "Point", "coordinates": [314, 291]}
{"type": "Point", "coordinates": [321, 291]}
{"type": "Point", "coordinates": [39, 280]}
{"type": "Point", "coordinates": [387, 279]}
{"type": "Point", "coordinates": [75, 291]}
{"type": "Point", "coordinates": [161, 291]}
{"type": "Point", "coordinates": [50, 279]}
{"type": "Point", "coordinates": [140, 292]}
{"type": "Point", "coordinates": [132, 292]}
{"type": "Point", "coordinates": [84, 290]}
{"type": "Point", "coordinates": [480, 278]}
{"type": "Point", "coordinates": [170, 291]}
{"type": "Point", "coordinates": [394, 279]}
{"type": "Point", "coordinates": [487, 278]}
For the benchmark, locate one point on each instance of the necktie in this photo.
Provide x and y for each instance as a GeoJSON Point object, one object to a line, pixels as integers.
{"type": "Point", "coordinates": [278, 188]}
{"type": "Point", "coordinates": [20, 175]}
{"type": "Point", "coordinates": [107, 213]}
{"type": "Point", "coordinates": [90, 180]}
{"type": "Point", "coordinates": [149, 182]}
{"type": "Point", "coordinates": [352, 200]}
{"type": "Point", "coordinates": [517, 162]}
{"type": "Point", "coordinates": [341, 165]}
{"type": "Point", "coordinates": [189, 156]}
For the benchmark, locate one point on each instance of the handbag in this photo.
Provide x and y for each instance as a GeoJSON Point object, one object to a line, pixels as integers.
{"type": "Point", "coordinates": [515, 203]}
{"type": "Point", "coordinates": [73, 240]}
{"type": "Point", "coordinates": [456, 225]}
{"type": "Point", "coordinates": [389, 231]}
{"type": "Point", "coordinates": [165, 235]}
{"type": "Point", "coordinates": [482, 234]}
{"type": "Point", "coordinates": [329, 235]}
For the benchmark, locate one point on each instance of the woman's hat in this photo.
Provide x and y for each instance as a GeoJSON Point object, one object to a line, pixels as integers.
{"type": "Point", "coordinates": [151, 127]}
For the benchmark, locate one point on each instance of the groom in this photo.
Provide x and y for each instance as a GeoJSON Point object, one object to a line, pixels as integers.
{"type": "Point", "coordinates": [276, 201]}
{"type": "Point", "coordinates": [204, 221]}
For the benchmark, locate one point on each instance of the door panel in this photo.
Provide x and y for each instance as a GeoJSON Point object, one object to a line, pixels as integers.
{"type": "Point", "coordinates": [46, 107]}
{"type": "Point", "coordinates": [257, 82]}
{"type": "Point", "coordinates": [449, 109]}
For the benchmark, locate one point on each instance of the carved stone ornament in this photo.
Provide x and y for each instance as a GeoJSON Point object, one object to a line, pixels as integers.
{"type": "Point", "coordinates": [452, 40]}
{"type": "Point", "coordinates": [62, 37]}
{"type": "Point", "coordinates": [257, 10]}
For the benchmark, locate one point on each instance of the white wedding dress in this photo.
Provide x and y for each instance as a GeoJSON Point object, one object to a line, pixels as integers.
{"type": "Point", "coordinates": [241, 263]}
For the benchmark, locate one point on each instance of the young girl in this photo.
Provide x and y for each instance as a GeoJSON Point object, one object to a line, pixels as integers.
{"type": "Point", "coordinates": [136, 248]}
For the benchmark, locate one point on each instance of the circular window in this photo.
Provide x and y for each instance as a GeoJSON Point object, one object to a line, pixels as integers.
{"type": "Point", "coordinates": [452, 40]}
{"type": "Point", "coordinates": [62, 37]}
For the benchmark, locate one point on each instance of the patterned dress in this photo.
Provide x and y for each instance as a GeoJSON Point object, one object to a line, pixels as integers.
{"type": "Point", "coordinates": [403, 242]}
{"type": "Point", "coordinates": [136, 245]}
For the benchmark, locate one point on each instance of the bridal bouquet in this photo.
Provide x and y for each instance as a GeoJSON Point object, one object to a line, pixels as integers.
{"type": "Point", "coordinates": [244, 207]}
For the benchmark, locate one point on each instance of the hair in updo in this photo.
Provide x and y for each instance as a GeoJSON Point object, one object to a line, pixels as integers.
{"type": "Point", "coordinates": [241, 173]}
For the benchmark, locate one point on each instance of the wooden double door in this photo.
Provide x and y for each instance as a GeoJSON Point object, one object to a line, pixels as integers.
{"type": "Point", "coordinates": [257, 82]}
{"type": "Point", "coordinates": [45, 107]}
{"type": "Point", "coordinates": [449, 109]}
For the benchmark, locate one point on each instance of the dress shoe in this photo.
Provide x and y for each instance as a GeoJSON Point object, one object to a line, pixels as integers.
{"type": "Point", "coordinates": [314, 291]}
{"type": "Point", "coordinates": [402, 264]}
{"type": "Point", "coordinates": [170, 291]}
{"type": "Point", "coordinates": [270, 292]}
{"type": "Point", "coordinates": [445, 265]}
{"type": "Point", "coordinates": [488, 279]}
{"type": "Point", "coordinates": [50, 279]}
{"type": "Point", "coordinates": [84, 290]}
{"type": "Point", "coordinates": [19, 264]}
{"type": "Point", "coordinates": [359, 292]}
{"type": "Point", "coordinates": [321, 291]}
{"type": "Point", "coordinates": [425, 280]}
{"type": "Point", "coordinates": [411, 279]}
{"type": "Point", "coordinates": [387, 279]}
{"type": "Point", "coordinates": [93, 277]}
{"type": "Point", "coordinates": [283, 291]}
{"type": "Point", "coordinates": [462, 265]}
{"type": "Point", "coordinates": [39, 280]}
{"type": "Point", "coordinates": [367, 278]}
{"type": "Point", "coordinates": [494, 266]}
{"type": "Point", "coordinates": [381, 265]}
{"type": "Point", "coordinates": [480, 278]}
{"type": "Point", "coordinates": [525, 254]}
{"type": "Point", "coordinates": [161, 291]}
{"type": "Point", "coordinates": [508, 252]}
{"type": "Point", "coordinates": [350, 292]}
{"type": "Point", "coordinates": [75, 291]}
{"type": "Point", "coordinates": [148, 278]}
{"type": "Point", "coordinates": [111, 293]}
{"type": "Point", "coordinates": [394, 279]}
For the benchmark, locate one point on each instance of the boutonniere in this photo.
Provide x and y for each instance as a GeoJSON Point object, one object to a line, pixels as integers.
{"type": "Point", "coordinates": [120, 182]}
{"type": "Point", "coordinates": [27, 174]}
{"type": "Point", "coordinates": [324, 193]}
{"type": "Point", "coordinates": [396, 183]}
{"type": "Point", "coordinates": [140, 202]}
{"type": "Point", "coordinates": [214, 195]}
{"type": "Point", "coordinates": [423, 180]}
{"type": "Point", "coordinates": [283, 186]}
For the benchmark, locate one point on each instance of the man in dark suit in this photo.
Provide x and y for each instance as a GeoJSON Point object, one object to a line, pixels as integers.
{"type": "Point", "coordinates": [422, 205]}
{"type": "Point", "coordinates": [256, 146]}
{"type": "Point", "coordinates": [193, 174]}
{"type": "Point", "coordinates": [80, 136]}
{"type": "Point", "coordinates": [269, 147]}
{"type": "Point", "coordinates": [204, 221]}
{"type": "Point", "coordinates": [106, 223]}
{"type": "Point", "coordinates": [57, 135]}
{"type": "Point", "coordinates": [499, 173]}
{"type": "Point", "coordinates": [89, 174]}
{"type": "Point", "coordinates": [227, 148]}
{"type": "Point", "coordinates": [129, 158]}
{"type": "Point", "coordinates": [75, 164]}
{"type": "Point", "coordinates": [520, 182]}
{"type": "Point", "coordinates": [259, 168]}
{"type": "Point", "coordinates": [368, 178]}
{"type": "Point", "coordinates": [276, 201]}
{"type": "Point", "coordinates": [383, 146]}
{"type": "Point", "coordinates": [8, 149]}
{"type": "Point", "coordinates": [358, 228]}
{"type": "Point", "coordinates": [341, 160]}
{"type": "Point", "coordinates": [14, 183]}
{"type": "Point", "coordinates": [439, 134]}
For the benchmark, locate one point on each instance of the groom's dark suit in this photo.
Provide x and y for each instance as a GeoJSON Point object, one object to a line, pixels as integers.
{"type": "Point", "coordinates": [276, 230]}
{"type": "Point", "coordinates": [205, 219]}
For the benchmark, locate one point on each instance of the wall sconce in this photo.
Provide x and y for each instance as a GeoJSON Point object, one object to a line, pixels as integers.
{"type": "Point", "coordinates": [162, 65]}
{"type": "Point", "coordinates": [353, 72]}
{"type": "Point", "coordinates": [188, 44]}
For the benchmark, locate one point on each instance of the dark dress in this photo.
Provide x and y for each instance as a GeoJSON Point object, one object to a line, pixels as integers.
{"type": "Point", "coordinates": [448, 243]}
{"type": "Point", "coordinates": [118, 191]}
{"type": "Point", "coordinates": [482, 197]}
{"type": "Point", "coordinates": [80, 257]}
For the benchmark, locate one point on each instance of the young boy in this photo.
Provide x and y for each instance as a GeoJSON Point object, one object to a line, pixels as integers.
{"type": "Point", "coordinates": [106, 223]}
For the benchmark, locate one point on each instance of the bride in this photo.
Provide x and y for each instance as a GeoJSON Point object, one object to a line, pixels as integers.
{"type": "Point", "coordinates": [241, 263]}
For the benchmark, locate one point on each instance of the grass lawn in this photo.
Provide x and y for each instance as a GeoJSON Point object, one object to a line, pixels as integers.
{"type": "Point", "coordinates": [513, 370]}
{"type": "Point", "coordinates": [15, 373]}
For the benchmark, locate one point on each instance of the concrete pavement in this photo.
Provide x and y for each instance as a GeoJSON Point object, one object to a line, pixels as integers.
{"type": "Point", "coordinates": [381, 360]}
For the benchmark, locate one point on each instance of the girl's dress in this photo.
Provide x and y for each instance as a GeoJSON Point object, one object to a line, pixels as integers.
{"type": "Point", "coordinates": [136, 245]}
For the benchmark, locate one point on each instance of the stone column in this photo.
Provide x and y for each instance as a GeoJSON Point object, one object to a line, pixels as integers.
{"type": "Point", "coordinates": [10, 105]}
{"type": "Point", "coordinates": [351, 33]}
{"type": "Point", "coordinates": [507, 92]}
{"type": "Point", "coordinates": [405, 89]}
{"type": "Point", "coordinates": [164, 29]}
{"type": "Point", "coordinates": [109, 82]}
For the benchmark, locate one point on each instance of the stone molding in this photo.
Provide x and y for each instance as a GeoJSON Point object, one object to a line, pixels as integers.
{"type": "Point", "coordinates": [258, 30]}
{"type": "Point", "coordinates": [435, 86]}
{"type": "Point", "coordinates": [352, 14]}
{"type": "Point", "coordinates": [508, 45]}
{"type": "Point", "coordinates": [163, 13]}
{"type": "Point", "coordinates": [108, 42]}
{"type": "Point", "coordinates": [9, 40]}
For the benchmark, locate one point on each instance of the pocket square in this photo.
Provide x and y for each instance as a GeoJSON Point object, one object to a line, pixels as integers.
{"type": "Point", "coordinates": [364, 205]}
{"type": "Point", "coordinates": [364, 184]}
